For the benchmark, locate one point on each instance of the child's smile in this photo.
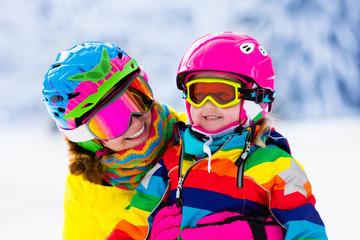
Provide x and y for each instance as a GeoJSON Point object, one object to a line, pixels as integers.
{"type": "Point", "coordinates": [211, 117]}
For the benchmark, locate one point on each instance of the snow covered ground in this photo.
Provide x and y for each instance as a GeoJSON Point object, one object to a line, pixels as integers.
{"type": "Point", "coordinates": [34, 166]}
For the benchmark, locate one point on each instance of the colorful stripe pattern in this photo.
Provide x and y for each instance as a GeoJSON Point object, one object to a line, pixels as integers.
{"type": "Point", "coordinates": [274, 184]}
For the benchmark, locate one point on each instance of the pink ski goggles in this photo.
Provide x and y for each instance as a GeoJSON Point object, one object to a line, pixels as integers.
{"type": "Point", "coordinates": [112, 118]}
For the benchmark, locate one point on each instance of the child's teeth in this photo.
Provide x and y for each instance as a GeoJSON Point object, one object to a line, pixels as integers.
{"type": "Point", "coordinates": [138, 133]}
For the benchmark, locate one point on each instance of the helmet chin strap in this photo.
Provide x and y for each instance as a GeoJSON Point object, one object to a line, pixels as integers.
{"type": "Point", "coordinates": [91, 145]}
{"type": "Point", "coordinates": [234, 127]}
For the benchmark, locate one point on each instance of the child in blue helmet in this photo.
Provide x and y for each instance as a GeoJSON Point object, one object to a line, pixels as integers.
{"type": "Point", "coordinates": [101, 102]}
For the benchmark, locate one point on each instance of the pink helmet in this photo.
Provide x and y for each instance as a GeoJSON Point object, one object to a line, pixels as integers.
{"type": "Point", "coordinates": [234, 54]}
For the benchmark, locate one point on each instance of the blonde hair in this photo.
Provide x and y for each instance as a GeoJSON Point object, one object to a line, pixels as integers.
{"type": "Point", "coordinates": [264, 127]}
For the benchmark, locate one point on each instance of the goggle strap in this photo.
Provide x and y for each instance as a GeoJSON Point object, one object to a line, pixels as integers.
{"type": "Point", "coordinates": [79, 134]}
{"type": "Point", "coordinates": [259, 95]}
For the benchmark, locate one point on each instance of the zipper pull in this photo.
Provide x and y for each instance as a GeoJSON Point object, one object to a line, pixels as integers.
{"type": "Point", "coordinates": [246, 151]}
{"type": "Point", "coordinates": [178, 192]}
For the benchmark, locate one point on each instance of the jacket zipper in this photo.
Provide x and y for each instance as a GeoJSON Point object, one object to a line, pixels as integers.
{"type": "Point", "coordinates": [179, 201]}
{"type": "Point", "coordinates": [178, 192]}
{"type": "Point", "coordinates": [244, 155]}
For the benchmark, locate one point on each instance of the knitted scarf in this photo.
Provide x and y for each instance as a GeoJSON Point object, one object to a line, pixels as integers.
{"type": "Point", "coordinates": [126, 168]}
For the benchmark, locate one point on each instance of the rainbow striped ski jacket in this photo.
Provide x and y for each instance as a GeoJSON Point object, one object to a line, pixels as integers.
{"type": "Point", "coordinates": [269, 182]}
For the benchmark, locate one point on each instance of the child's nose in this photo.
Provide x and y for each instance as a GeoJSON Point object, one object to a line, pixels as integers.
{"type": "Point", "coordinates": [209, 104]}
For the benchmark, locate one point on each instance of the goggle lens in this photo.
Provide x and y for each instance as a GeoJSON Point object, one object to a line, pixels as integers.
{"type": "Point", "coordinates": [222, 93]}
{"type": "Point", "coordinates": [113, 118]}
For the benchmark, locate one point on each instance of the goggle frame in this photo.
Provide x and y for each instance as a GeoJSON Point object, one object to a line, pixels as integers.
{"type": "Point", "coordinates": [84, 132]}
{"type": "Point", "coordinates": [235, 85]}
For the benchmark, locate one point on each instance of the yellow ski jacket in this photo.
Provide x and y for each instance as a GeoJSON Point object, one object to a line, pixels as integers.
{"type": "Point", "coordinates": [91, 211]}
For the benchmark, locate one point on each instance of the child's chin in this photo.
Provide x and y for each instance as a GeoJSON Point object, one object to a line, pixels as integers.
{"type": "Point", "coordinates": [210, 129]}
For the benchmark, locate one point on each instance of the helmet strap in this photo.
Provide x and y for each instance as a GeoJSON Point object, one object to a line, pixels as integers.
{"type": "Point", "coordinates": [91, 145]}
{"type": "Point", "coordinates": [231, 128]}
{"type": "Point", "coordinates": [258, 95]}
{"type": "Point", "coordinates": [101, 152]}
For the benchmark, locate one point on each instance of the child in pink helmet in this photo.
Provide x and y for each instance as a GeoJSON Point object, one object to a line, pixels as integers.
{"type": "Point", "coordinates": [231, 176]}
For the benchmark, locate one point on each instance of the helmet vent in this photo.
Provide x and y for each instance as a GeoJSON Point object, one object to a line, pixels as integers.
{"type": "Point", "coordinates": [263, 51]}
{"type": "Point", "coordinates": [87, 105]}
{"type": "Point", "coordinates": [56, 65]}
{"type": "Point", "coordinates": [56, 98]}
{"type": "Point", "coordinates": [61, 109]}
{"type": "Point", "coordinates": [73, 95]}
{"type": "Point", "coordinates": [120, 54]}
{"type": "Point", "coordinates": [247, 47]}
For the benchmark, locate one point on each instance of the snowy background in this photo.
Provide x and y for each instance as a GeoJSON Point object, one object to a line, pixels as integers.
{"type": "Point", "coordinates": [315, 49]}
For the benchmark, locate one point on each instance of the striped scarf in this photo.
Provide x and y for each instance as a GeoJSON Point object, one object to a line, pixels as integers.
{"type": "Point", "coordinates": [126, 168]}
